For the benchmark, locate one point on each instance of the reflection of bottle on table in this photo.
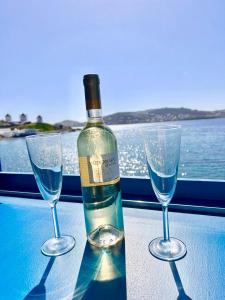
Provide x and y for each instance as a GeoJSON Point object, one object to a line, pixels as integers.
{"type": "Point", "coordinates": [102, 274]}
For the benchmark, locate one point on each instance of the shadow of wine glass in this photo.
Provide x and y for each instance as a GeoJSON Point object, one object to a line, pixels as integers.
{"type": "Point", "coordinates": [39, 291]}
{"type": "Point", "coordinates": [102, 274]}
{"type": "Point", "coordinates": [182, 295]}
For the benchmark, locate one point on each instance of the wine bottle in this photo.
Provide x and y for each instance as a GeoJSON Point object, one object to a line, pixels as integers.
{"type": "Point", "coordinates": [99, 172]}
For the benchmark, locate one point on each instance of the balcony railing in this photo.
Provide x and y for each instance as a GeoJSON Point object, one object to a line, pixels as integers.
{"type": "Point", "coordinates": [196, 196]}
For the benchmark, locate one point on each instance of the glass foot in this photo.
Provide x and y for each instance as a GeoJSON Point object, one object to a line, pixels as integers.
{"type": "Point", "coordinates": [170, 250]}
{"type": "Point", "coordinates": [58, 246]}
{"type": "Point", "coordinates": [105, 236]}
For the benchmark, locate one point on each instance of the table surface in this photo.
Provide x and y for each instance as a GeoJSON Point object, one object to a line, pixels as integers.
{"type": "Point", "coordinates": [127, 271]}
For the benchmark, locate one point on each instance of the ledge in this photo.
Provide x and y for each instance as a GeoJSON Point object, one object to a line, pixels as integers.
{"type": "Point", "coordinates": [124, 272]}
{"type": "Point", "coordinates": [200, 196]}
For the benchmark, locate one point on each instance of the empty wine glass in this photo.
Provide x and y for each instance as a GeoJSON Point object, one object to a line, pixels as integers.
{"type": "Point", "coordinates": [45, 153]}
{"type": "Point", "coordinates": [162, 148]}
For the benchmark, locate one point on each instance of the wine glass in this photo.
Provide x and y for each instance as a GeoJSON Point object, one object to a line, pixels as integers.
{"type": "Point", "coordinates": [162, 148]}
{"type": "Point", "coordinates": [45, 153]}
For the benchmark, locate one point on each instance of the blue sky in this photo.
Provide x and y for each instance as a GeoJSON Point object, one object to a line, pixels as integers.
{"type": "Point", "coordinates": [148, 53]}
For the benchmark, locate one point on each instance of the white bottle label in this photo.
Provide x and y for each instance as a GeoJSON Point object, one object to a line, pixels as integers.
{"type": "Point", "coordinates": [99, 169]}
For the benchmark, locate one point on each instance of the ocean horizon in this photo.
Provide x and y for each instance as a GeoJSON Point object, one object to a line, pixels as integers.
{"type": "Point", "coordinates": [202, 150]}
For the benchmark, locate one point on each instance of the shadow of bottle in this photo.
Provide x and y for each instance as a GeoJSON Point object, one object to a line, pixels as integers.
{"type": "Point", "coordinates": [102, 274]}
{"type": "Point", "coordinates": [182, 295]}
{"type": "Point", "coordinates": [39, 291]}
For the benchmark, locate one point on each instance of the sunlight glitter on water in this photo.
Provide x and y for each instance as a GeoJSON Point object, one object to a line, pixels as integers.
{"type": "Point", "coordinates": [202, 150]}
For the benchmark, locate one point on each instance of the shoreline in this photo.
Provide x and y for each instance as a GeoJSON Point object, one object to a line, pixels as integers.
{"type": "Point", "coordinates": [74, 129]}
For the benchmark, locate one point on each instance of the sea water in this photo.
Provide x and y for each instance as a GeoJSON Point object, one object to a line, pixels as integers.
{"type": "Point", "coordinates": [202, 151]}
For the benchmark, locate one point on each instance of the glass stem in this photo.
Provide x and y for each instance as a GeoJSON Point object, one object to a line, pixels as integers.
{"type": "Point", "coordinates": [55, 221]}
{"type": "Point", "coordinates": [166, 234]}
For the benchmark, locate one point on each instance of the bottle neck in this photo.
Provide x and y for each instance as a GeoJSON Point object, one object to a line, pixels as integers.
{"type": "Point", "coordinates": [94, 116]}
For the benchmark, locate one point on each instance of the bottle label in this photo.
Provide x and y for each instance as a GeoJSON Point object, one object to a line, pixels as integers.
{"type": "Point", "coordinates": [99, 169]}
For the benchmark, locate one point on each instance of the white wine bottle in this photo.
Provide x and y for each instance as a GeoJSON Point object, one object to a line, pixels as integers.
{"type": "Point", "coordinates": [99, 173]}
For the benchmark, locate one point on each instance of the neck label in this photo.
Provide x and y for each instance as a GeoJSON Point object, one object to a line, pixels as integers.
{"type": "Point", "coordinates": [94, 113]}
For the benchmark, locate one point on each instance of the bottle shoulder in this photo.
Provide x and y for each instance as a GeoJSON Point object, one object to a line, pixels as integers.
{"type": "Point", "coordinates": [96, 130]}
{"type": "Point", "coordinates": [96, 139]}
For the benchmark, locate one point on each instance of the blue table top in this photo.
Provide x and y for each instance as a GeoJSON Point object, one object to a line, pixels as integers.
{"type": "Point", "coordinates": [127, 271]}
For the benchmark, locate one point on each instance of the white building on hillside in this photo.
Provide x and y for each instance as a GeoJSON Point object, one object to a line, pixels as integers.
{"type": "Point", "coordinates": [8, 118]}
{"type": "Point", "coordinates": [23, 118]}
{"type": "Point", "coordinates": [39, 119]}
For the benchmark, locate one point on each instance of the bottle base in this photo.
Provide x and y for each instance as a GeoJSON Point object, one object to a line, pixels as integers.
{"type": "Point", "coordinates": [105, 236]}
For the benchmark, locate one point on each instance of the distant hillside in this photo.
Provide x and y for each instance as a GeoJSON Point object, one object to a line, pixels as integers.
{"type": "Point", "coordinates": [161, 115]}
{"type": "Point", "coordinates": [69, 123]}
{"type": "Point", "coordinates": [38, 126]}
{"type": "Point", "coordinates": [151, 116]}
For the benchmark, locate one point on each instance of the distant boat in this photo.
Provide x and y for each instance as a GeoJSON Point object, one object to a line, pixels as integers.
{"type": "Point", "coordinates": [24, 132]}
{"type": "Point", "coordinates": [6, 132]}
{"type": "Point", "coordinates": [76, 128]}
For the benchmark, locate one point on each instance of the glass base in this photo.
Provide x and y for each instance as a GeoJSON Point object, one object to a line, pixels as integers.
{"type": "Point", "coordinates": [58, 246]}
{"type": "Point", "coordinates": [105, 236]}
{"type": "Point", "coordinates": [170, 250]}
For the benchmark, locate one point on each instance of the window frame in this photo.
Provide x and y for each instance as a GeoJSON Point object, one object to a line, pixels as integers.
{"type": "Point", "coordinates": [192, 196]}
